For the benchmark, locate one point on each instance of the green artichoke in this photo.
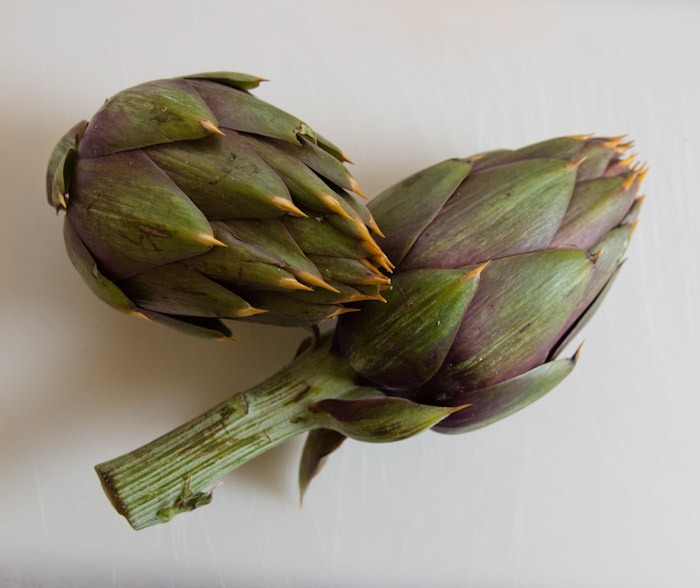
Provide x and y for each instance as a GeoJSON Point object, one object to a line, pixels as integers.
{"type": "Point", "coordinates": [500, 258]}
{"type": "Point", "coordinates": [189, 200]}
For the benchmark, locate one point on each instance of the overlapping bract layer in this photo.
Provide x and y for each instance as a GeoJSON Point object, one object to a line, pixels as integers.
{"type": "Point", "coordinates": [501, 258]}
{"type": "Point", "coordinates": [189, 200]}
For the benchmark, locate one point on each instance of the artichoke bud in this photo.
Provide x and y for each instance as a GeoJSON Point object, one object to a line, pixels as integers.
{"type": "Point", "coordinates": [553, 220]}
{"type": "Point", "coordinates": [190, 201]}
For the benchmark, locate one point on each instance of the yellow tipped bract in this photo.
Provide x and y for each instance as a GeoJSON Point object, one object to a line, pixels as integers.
{"type": "Point", "coordinates": [293, 284]}
{"type": "Point", "coordinates": [316, 281]}
{"type": "Point", "coordinates": [288, 206]}
{"type": "Point", "coordinates": [249, 312]}
{"type": "Point", "coordinates": [477, 270]}
{"type": "Point", "coordinates": [138, 315]}
{"type": "Point", "coordinates": [211, 127]}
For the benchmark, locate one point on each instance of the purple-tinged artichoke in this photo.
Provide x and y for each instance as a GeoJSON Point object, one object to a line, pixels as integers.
{"type": "Point", "coordinates": [189, 200]}
{"type": "Point", "coordinates": [500, 259]}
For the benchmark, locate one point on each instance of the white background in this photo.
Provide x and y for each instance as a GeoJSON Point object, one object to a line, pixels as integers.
{"type": "Point", "coordinates": [598, 484]}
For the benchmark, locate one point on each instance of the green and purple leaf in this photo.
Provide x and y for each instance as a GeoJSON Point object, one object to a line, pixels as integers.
{"type": "Point", "coordinates": [491, 404]}
{"type": "Point", "coordinates": [319, 444]}
{"type": "Point", "coordinates": [519, 310]}
{"type": "Point", "coordinates": [148, 114]}
{"type": "Point", "coordinates": [423, 313]}
{"type": "Point", "coordinates": [379, 420]}
{"type": "Point", "coordinates": [132, 217]}
{"type": "Point", "coordinates": [405, 209]}
{"type": "Point", "coordinates": [501, 211]}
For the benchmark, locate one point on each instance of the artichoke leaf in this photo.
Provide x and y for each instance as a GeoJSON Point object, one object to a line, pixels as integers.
{"type": "Point", "coordinates": [596, 207]}
{"type": "Point", "coordinates": [125, 235]}
{"type": "Point", "coordinates": [240, 111]}
{"type": "Point", "coordinates": [180, 290]}
{"type": "Point", "coordinates": [566, 148]}
{"type": "Point", "coordinates": [240, 81]}
{"type": "Point", "coordinates": [206, 328]}
{"type": "Point", "coordinates": [500, 211]}
{"type": "Point", "coordinates": [424, 311]}
{"type": "Point", "coordinates": [379, 419]}
{"type": "Point", "coordinates": [224, 177]}
{"type": "Point", "coordinates": [405, 209]}
{"type": "Point", "coordinates": [101, 286]}
{"type": "Point", "coordinates": [503, 336]}
{"type": "Point", "coordinates": [61, 163]}
{"type": "Point", "coordinates": [148, 114]}
{"type": "Point", "coordinates": [491, 404]}
{"type": "Point", "coordinates": [319, 444]}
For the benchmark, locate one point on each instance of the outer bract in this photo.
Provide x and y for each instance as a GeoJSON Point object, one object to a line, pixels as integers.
{"type": "Point", "coordinates": [189, 200]}
{"type": "Point", "coordinates": [501, 258]}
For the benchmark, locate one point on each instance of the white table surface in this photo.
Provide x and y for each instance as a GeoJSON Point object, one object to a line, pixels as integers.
{"type": "Point", "coordinates": [598, 484]}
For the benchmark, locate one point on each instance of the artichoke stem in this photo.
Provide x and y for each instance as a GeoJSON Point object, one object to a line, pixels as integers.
{"type": "Point", "coordinates": [176, 472]}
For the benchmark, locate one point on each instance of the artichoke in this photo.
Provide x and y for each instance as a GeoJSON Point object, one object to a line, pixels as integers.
{"type": "Point", "coordinates": [499, 263]}
{"type": "Point", "coordinates": [500, 258]}
{"type": "Point", "coordinates": [189, 200]}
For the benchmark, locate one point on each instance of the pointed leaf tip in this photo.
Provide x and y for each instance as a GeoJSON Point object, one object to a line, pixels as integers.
{"type": "Point", "coordinates": [334, 206]}
{"type": "Point", "coordinates": [595, 257]}
{"type": "Point", "coordinates": [343, 310]}
{"type": "Point", "coordinates": [375, 228]}
{"type": "Point", "coordinates": [211, 127]}
{"type": "Point", "coordinates": [317, 281]}
{"type": "Point", "coordinates": [206, 239]}
{"type": "Point", "coordinates": [320, 443]}
{"type": "Point", "coordinates": [139, 315]}
{"type": "Point", "coordinates": [476, 271]}
{"type": "Point", "coordinates": [250, 311]}
{"type": "Point", "coordinates": [356, 188]}
{"type": "Point", "coordinates": [288, 206]}
{"type": "Point", "coordinates": [293, 284]}
{"type": "Point", "coordinates": [576, 163]}
{"type": "Point", "coordinates": [61, 199]}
